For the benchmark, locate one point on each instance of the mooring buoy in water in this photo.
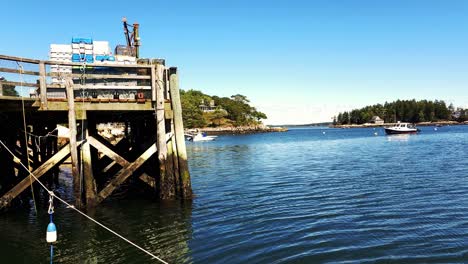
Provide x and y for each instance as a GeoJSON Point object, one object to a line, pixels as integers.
{"type": "Point", "coordinates": [323, 132]}
{"type": "Point", "coordinates": [376, 134]}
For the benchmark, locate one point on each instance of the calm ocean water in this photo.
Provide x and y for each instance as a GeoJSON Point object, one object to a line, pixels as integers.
{"type": "Point", "coordinates": [310, 195]}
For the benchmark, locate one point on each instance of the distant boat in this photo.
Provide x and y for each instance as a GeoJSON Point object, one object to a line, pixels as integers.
{"type": "Point", "coordinates": [199, 137]}
{"type": "Point", "coordinates": [401, 128]}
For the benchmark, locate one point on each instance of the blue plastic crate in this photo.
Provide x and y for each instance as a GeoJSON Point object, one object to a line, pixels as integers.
{"type": "Point", "coordinates": [82, 58]}
{"type": "Point", "coordinates": [82, 40]}
{"type": "Point", "coordinates": [104, 58]}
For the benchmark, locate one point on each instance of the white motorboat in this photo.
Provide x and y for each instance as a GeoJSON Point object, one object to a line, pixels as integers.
{"type": "Point", "coordinates": [200, 137]}
{"type": "Point", "coordinates": [401, 128]}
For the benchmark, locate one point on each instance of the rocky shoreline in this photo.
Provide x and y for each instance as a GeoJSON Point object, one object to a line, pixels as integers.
{"type": "Point", "coordinates": [237, 130]}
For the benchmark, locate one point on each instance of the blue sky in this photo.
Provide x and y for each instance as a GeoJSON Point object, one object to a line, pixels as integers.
{"type": "Point", "coordinates": [297, 61]}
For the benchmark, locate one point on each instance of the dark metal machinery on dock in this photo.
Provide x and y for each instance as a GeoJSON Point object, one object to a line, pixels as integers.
{"type": "Point", "coordinates": [151, 152]}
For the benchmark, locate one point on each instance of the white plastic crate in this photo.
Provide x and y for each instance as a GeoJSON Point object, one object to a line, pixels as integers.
{"type": "Point", "coordinates": [60, 54]}
{"type": "Point", "coordinates": [66, 48]}
{"type": "Point", "coordinates": [82, 46]}
{"type": "Point", "coordinates": [61, 59]}
{"type": "Point", "coordinates": [101, 48]}
{"type": "Point", "coordinates": [83, 51]}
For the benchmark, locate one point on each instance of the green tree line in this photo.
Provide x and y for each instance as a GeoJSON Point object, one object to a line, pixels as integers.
{"type": "Point", "coordinates": [233, 111]}
{"type": "Point", "coordinates": [404, 110]}
{"type": "Point", "coordinates": [8, 90]}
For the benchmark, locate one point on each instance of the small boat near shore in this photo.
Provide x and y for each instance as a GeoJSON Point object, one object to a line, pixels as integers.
{"type": "Point", "coordinates": [401, 128]}
{"type": "Point", "coordinates": [199, 137]}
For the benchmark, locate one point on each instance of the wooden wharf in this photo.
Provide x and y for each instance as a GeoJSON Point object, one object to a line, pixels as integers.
{"type": "Point", "coordinates": [145, 100]}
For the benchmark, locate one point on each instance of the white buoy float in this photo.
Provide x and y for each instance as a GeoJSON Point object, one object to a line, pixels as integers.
{"type": "Point", "coordinates": [51, 236]}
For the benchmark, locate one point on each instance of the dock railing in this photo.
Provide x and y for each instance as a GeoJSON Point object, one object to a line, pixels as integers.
{"type": "Point", "coordinates": [92, 82]}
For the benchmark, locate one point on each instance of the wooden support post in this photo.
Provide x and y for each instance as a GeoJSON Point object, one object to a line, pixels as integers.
{"type": "Point", "coordinates": [166, 180]}
{"type": "Point", "coordinates": [170, 166]}
{"type": "Point", "coordinates": [73, 146]}
{"type": "Point", "coordinates": [186, 187]}
{"type": "Point", "coordinates": [89, 182]}
{"type": "Point", "coordinates": [125, 172]}
{"type": "Point", "coordinates": [154, 84]}
{"type": "Point", "coordinates": [43, 86]}
{"type": "Point", "coordinates": [40, 171]}
{"type": "Point", "coordinates": [167, 84]}
{"type": "Point", "coordinates": [1, 89]}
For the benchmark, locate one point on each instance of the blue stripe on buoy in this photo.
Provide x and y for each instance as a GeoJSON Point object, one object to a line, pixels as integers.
{"type": "Point", "coordinates": [51, 227]}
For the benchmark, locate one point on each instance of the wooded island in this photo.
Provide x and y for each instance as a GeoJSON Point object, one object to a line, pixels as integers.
{"type": "Point", "coordinates": [200, 110]}
{"type": "Point", "coordinates": [405, 111]}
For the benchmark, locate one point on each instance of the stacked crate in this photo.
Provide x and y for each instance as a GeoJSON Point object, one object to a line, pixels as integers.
{"type": "Point", "coordinates": [82, 49]}
{"type": "Point", "coordinates": [59, 53]}
{"type": "Point", "coordinates": [102, 53]}
{"type": "Point", "coordinates": [96, 53]}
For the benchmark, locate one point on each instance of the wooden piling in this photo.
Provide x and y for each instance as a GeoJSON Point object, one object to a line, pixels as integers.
{"type": "Point", "coordinates": [166, 188]}
{"type": "Point", "coordinates": [186, 187]}
{"type": "Point", "coordinates": [89, 182]}
{"type": "Point", "coordinates": [73, 145]}
{"type": "Point", "coordinates": [43, 86]}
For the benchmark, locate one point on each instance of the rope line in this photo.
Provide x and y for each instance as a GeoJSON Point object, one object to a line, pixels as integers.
{"type": "Point", "coordinates": [49, 134]}
{"type": "Point", "coordinates": [51, 253]}
{"type": "Point", "coordinates": [52, 194]}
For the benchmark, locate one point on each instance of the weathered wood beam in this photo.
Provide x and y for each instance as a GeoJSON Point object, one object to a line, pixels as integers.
{"type": "Point", "coordinates": [125, 172]}
{"type": "Point", "coordinates": [73, 146]}
{"type": "Point", "coordinates": [25, 84]}
{"type": "Point", "coordinates": [167, 190]}
{"type": "Point", "coordinates": [153, 83]}
{"type": "Point", "coordinates": [58, 158]}
{"type": "Point", "coordinates": [18, 59]}
{"type": "Point", "coordinates": [91, 106]}
{"type": "Point", "coordinates": [186, 186]}
{"type": "Point", "coordinates": [107, 151]}
{"type": "Point", "coordinates": [94, 87]}
{"type": "Point", "coordinates": [108, 167]}
{"type": "Point", "coordinates": [117, 159]}
{"type": "Point", "coordinates": [89, 181]}
{"type": "Point", "coordinates": [148, 180]}
{"type": "Point", "coordinates": [18, 71]}
{"type": "Point", "coordinates": [170, 165]}
{"type": "Point", "coordinates": [99, 76]}
{"type": "Point", "coordinates": [43, 86]}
